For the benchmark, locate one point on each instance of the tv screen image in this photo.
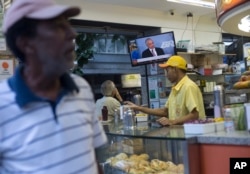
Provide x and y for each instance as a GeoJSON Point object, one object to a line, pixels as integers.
{"type": "Point", "coordinates": [152, 49]}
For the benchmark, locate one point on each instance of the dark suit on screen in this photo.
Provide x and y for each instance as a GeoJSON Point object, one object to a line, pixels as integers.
{"type": "Point", "coordinates": [148, 53]}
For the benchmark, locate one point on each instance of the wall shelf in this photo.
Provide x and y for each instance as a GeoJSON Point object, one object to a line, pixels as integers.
{"type": "Point", "coordinates": [206, 52]}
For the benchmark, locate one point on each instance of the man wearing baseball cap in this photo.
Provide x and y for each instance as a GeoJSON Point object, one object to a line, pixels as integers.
{"type": "Point", "coordinates": [47, 123]}
{"type": "Point", "coordinates": [185, 101]}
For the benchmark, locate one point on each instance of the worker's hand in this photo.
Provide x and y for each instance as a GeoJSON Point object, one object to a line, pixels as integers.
{"type": "Point", "coordinates": [165, 121]}
{"type": "Point", "coordinates": [131, 105]}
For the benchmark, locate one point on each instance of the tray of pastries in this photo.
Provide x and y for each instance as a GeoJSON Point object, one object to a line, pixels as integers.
{"type": "Point", "coordinates": [140, 164]}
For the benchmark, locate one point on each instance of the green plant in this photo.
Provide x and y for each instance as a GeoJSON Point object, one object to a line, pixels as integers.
{"type": "Point", "coordinates": [84, 48]}
{"type": "Point", "coordinates": [84, 51]}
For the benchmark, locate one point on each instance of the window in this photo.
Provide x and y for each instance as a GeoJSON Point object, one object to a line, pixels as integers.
{"type": "Point", "coordinates": [111, 43]}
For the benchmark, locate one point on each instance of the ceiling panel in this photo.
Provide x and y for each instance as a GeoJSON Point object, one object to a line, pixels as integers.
{"type": "Point", "coordinates": [160, 5]}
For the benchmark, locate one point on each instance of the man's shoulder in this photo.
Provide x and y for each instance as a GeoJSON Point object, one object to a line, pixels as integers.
{"type": "Point", "coordinates": [100, 100]}
{"type": "Point", "coordinates": [112, 100]}
{"type": "Point", "coordinates": [79, 80]}
{"type": "Point", "coordinates": [145, 53]}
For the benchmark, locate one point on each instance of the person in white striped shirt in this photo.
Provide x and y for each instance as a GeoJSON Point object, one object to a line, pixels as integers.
{"type": "Point", "coordinates": [47, 123]}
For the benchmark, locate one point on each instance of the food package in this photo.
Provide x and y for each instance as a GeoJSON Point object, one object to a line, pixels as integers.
{"type": "Point", "coordinates": [238, 114]}
{"type": "Point", "coordinates": [190, 128]}
{"type": "Point", "coordinates": [243, 82]}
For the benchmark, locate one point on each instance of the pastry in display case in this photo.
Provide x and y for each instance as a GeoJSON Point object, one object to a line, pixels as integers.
{"type": "Point", "coordinates": [149, 151]}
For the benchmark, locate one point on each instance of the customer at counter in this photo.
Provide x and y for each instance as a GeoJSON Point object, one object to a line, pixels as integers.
{"type": "Point", "coordinates": [185, 101]}
{"type": "Point", "coordinates": [111, 99]}
{"type": "Point", "coordinates": [47, 122]}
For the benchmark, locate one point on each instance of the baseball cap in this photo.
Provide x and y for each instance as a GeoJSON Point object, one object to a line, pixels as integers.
{"type": "Point", "coordinates": [36, 9]}
{"type": "Point", "coordinates": [175, 61]}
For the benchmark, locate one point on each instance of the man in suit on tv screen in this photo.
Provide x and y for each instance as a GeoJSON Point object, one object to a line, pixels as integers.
{"type": "Point", "coordinates": [151, 50]}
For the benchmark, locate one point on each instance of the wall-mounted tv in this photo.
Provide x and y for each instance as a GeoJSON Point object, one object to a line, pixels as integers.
{"type": "Point", "coordinates": [152, 49]}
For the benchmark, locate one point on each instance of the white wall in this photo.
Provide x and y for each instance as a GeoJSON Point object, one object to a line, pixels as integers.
{"type": "Point", "coordinates": [205, 28]}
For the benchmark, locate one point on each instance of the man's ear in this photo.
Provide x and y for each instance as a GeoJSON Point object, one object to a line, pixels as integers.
{"type": "Point", "coordinates": [23, 44]}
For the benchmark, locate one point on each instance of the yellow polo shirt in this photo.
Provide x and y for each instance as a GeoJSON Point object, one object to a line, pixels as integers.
{"type": "Point", "coordinates": [184, 97]}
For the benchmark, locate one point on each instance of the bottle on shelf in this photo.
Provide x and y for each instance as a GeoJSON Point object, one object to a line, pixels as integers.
{"type": "Point", "coordinates": [228, 120]}
{"type": "Point", "coordinates": [190, 48]}
{"type": "Point", "coordinates": [218, 101]}
{"type": "Point", "coordinates": [116, 117]}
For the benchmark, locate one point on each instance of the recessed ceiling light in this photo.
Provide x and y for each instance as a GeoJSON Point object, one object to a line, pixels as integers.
{"type": "Point", "coordinates": [244, 24]}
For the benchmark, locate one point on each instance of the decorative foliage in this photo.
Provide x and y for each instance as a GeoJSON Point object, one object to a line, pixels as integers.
{"type": "Point", "coordinates": [85, 48]}
{"type": "Point", "coordinates": [84, 51]}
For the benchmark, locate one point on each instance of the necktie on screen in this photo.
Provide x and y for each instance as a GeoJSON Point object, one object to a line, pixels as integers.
{"type": "Point", "coordinates": [153, 53]}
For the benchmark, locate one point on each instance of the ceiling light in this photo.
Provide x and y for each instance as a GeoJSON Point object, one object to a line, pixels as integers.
{"type": "Point", "coordinates": [244, 24]}
{"type": "Point", "coordinates": [199, 3]}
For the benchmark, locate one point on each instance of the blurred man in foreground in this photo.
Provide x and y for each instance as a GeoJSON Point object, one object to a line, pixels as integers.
{"type": "Point", "coordinates": [47, 123]}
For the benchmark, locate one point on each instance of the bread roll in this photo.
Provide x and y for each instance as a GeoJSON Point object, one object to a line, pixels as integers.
{"type": "Point", "coordinates": [133, 157]}
{"type": "Point", "coordinates": [242, 85]}
{"type": "Point", "coordinates": [244, 78]}
{"type": "Point", "coordinates": [136, 171]}
{"type": "Point", "coordinates": [180, 168]}
{"type": "Point", "coordinates": [143, 163]}
{"type": "Point", "coordinates": [112, 161]}
{"type": "Point", "coordinates": [163, 172]}
{"type": "Point", "coordinates": [121, 156]}
{"type": "Point", "coordinates": [144, 156]}
{"type": "Point", "coordinates": [173, 168]}
{"type": "Point", "coordinates": [148, 169]}
{"type": "Point", "coordinates": [158, 164]}
{"type": "Point", "coordinates": [132, 163]}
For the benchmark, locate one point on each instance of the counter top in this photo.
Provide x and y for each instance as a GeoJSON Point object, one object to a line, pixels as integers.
{"type": "Point", "coordinates": [232, 138]}
{"type": "Point", "coordinates": [143, 130]}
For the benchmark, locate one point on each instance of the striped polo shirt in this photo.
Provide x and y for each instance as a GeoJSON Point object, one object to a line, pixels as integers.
{"type": "Point", "coordinates": [38, 136]}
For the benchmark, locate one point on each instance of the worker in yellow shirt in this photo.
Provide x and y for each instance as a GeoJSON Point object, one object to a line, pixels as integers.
{"type": "Point", "coordinates": [185, 101]}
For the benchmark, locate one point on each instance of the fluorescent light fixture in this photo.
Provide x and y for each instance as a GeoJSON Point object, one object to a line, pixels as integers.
{"type": "Point", "coordinates": [227, 43]}
{"type": "Point", "coordinates": [199, 3]}
{"type": "Point", "coordinates": [244, 24]}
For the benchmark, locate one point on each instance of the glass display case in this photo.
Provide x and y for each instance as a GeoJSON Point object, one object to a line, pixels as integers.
{"type": "Point", "coordinates": [149, 149]}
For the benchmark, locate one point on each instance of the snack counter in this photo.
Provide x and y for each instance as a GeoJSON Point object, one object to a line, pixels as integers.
{"type": "Point", "coordinates": [146, 149]}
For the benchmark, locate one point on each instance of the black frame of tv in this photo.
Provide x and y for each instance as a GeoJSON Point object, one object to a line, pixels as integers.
{"type": "Point", "coordinates": [165, 41]}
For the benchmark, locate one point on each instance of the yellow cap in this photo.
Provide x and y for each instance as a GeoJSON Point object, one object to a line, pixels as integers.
{"type": "Point", "coordinates": [175, 61]}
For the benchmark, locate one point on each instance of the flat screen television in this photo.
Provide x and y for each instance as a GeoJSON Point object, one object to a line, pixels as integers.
{"type": "Point", "coordinates": [141, 53]}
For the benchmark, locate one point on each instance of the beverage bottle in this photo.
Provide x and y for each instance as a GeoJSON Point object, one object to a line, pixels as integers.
{"type": "Point", "coordinates": [116, 117]}
{"type": "Point", "coordinates": [128, 119]}
{"type": "Point", "coordinates": [104, 113]}
{"type": "Point", "coordinates": [190, 48]}
{"type": "Point", "coordinates": [228, 120]}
